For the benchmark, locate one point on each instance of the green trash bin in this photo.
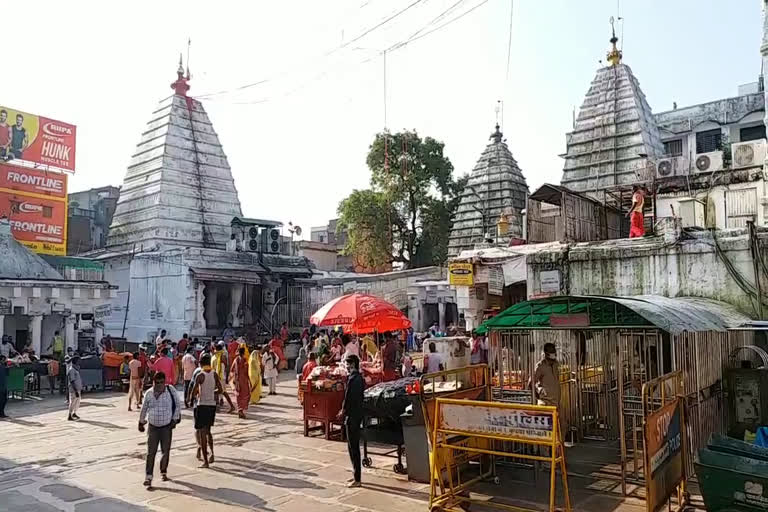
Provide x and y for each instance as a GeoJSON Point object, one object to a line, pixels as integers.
{"type": "Point", "coordinates": [733, 476]}
{"type": "Point", "coordinates": [16, 381]}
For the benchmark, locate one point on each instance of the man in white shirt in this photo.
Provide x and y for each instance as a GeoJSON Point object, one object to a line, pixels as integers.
{"type": "Point", "coordinates": [351, 348]}
{"type": "Point", "coordinates": [6, 347]}
{"type": "Point", "coordinates": [160, 338]}
{"type": "Point", "coordinates": [434, 360]}
{"type": "Point", "coordinates": [161, 409]}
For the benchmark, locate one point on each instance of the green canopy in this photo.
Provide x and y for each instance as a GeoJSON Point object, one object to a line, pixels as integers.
{"type": "Point", "coordinates": [538, 313]}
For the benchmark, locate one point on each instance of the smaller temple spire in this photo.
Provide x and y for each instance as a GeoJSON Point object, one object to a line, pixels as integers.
{"type": "Point", "coordinates": [497, 135]}
{"type": "Point", "coordinates": [180, 86]}
{"type": "Point", "coordinates": [614, 55]}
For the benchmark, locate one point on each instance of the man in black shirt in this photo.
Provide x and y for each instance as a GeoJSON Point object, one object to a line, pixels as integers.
{"type": "Point", "coordinates": [352, 411]}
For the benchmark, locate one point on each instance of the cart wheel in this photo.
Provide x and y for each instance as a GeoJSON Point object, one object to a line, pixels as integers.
{"type": "Point", "coordinates": [367, 462]}
{"type": "Point", "coordinates": [399, 469]}
{"type": "Point", "coordinates": [496, 480]}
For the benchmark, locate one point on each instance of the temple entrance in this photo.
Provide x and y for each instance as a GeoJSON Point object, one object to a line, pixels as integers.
{"type": "Point", "coordinates": [226, 303]}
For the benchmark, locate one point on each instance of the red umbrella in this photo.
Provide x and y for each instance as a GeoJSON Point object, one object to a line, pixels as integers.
{"type": "Point", "coordinates": [360, 313]}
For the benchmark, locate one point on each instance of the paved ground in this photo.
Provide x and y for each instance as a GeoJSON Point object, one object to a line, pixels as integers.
{"type": "Point", "coordinates": [263, 463]}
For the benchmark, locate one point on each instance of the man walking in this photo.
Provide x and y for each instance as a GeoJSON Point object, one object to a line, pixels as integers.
{"type": "Point", "coordinates": [75, 384]}
{"type": "Point", "coordinates": [352, 411]}
{"type": "Point", "coordinates": [134, 385]}
{"type": "Point", "coordinates": [188, 365]}
{"type": "Point", "coordinates": [161, 410]}
{"type": "Point", "coordinates": [546, 377]}
{"type": "Point", "coordinates": [207, 384]}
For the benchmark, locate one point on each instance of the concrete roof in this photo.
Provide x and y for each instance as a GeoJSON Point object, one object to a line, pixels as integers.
{"type": "Point", "coordinates": [18, 262]}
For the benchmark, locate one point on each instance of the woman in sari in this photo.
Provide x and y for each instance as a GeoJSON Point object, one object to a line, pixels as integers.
{"type": "Point", "coordinates": [241, 382]}
{"type": "Point", "coordinates": [254, 374]}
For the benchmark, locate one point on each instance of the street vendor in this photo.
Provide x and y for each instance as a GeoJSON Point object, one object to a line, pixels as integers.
{"type": "Point", "coordinates": [389, 357]}
{"type": "Point", "coordinates": [369, 348]}
{"type": "Point", "coordinates": [324, 352]}
{"type": "Point", "coordinates": [546, 377]}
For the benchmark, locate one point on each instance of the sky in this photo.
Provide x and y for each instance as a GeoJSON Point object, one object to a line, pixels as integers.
{"type": "Point", "coordinates": [298, 138]}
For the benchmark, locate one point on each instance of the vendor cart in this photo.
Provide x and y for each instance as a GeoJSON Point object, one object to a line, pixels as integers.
{"type": "Point", "coordinates": [383, 404]}
{"type": "Point", "coordinates": [323, 406]}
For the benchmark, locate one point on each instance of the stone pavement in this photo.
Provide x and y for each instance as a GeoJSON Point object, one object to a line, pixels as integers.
{"type": "Point", "coordinates": [264, 463]}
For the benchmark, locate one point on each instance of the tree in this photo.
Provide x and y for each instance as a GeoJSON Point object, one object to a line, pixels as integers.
{"type": "Point", "coordinates": [415, 196]}
{"type": "Point", "coordinates": [364, 217]}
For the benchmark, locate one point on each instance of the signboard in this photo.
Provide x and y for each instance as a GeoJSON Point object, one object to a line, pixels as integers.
{"type": "Point", "coordinates": [497, 421]}
{"type": "Point", "coordinates": [6, 306]}
{"type": "Point", "coordinates": [33, 181]}
{"type": "Point", "coordinates": [480, 274]}
{"type": "Point", "coordinates": [36, 139]}
{"type": "Point", "coordinates": [495, 280]}
{"type": "Point", "coordinates": [569, 320]}
{"type": "Point", "coordinates": [102, 312]}
{"type": "Point", "coordinates": [664, 456]}
{"type": "Point", "coordinates": [460, 274]}
{"type": "Point", "coordinates": [38, 223]}
{"type": "Point", "coordinates": [550, 281]}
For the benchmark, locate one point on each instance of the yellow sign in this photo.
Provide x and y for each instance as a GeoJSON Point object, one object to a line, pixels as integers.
{"type": "Point", "coordinates": [460, 274]}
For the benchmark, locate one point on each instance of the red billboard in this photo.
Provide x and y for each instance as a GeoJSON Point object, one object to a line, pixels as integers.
{"type": "Point", "coordinates": [36, 139]}
{"type": "Point", "coordinates": [33, 181]}
{"type": "Point", "coordinates": [38, 223]}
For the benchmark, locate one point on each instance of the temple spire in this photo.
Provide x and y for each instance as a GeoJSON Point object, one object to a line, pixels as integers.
{"type": "Point", "coordinates": [614, 55]}
{"type": "Point", "coordinates": [180, 86]}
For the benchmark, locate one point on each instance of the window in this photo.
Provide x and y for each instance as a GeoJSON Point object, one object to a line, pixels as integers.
{"type": "Point", "coordinates": [708, 141]}
{"type": "Point", "coordinates": [752, 133]}
{"type": "Point", "coordinates": [673, 147]}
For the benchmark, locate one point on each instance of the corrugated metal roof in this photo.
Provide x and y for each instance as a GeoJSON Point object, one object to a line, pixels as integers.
{"type": "Point", "coordinates": [676, 315]}
{"type": "Point", "coordinates": [226, 275]}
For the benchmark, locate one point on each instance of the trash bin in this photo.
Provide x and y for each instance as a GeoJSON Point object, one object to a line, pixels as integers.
{"type": "Point", "coordinates": [416, 443]}
{"type": "Point", "coordinates": [733, 475]}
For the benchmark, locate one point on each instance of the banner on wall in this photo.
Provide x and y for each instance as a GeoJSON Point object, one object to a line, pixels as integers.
{"type": "Point", "coordinates": [36, 139]}
{"type": "Point", "coordinates": [33, 181]}
{"type": "Point", "coordinates": [38, 223]}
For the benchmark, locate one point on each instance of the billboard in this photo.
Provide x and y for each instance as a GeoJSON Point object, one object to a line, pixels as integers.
{"type": "Point", "coordinates": [33, 181]}
{"type": "Point", "coordinates": [36, 139]}
{"type": "Point", "coordinates": [37, 222]}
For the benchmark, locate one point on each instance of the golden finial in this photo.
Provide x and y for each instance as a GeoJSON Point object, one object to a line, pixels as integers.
{"type": "Point", "coordinates": [614, 56]}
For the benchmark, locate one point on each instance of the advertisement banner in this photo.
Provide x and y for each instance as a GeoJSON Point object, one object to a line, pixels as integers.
{"type": "Point", "coordinates": [38, 223]}
{"type": "Point", "coordinates": [33, 181]}
{"type": "Point", "coordinates": [664, 455]}
{"type": "Point", "coordinates": [488, 419]}
{"type": "Point", "coordinates": [36, 139]}
{"type": "Point", "coordinates": [460, 274]}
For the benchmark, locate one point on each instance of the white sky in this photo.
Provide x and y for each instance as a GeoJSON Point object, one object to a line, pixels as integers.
{"type": "Point", "coordinates": [104, 66]}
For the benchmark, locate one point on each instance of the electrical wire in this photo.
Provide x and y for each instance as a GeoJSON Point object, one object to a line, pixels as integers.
{"type": "Point", "coordinates": [323, 73]}
{"type": "Point", "coordinates": [326, 54]}
{"type": "Point", "coordinates": [509, 42]}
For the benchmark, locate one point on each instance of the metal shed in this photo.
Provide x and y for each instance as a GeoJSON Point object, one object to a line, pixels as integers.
{"type": "Point", "coordinates": [555, 213]}
{"type": "Point", "coordinates": [608, 348]}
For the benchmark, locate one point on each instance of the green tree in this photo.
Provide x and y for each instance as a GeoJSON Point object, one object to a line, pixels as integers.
{"type": "Point", "coordinates": [415, 196]}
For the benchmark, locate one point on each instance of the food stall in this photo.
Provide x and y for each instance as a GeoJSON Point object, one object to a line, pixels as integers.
{"type": "Point", "coordinates": [324, 395]}
{"type": "Point", "coordinates": [323, 392]}
{"type": "Point", "coordinates": [24, 376]}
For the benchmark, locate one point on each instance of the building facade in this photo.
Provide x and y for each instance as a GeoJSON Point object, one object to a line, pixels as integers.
{"type": "Point", "coordinates": [89, 216]}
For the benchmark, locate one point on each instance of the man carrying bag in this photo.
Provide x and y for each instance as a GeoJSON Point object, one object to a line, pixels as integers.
{"type": "Point", "coordinates": [161, 410]}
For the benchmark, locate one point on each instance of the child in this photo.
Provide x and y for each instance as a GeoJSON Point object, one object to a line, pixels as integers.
{"type": "Point", "coordinates": [270, 361]}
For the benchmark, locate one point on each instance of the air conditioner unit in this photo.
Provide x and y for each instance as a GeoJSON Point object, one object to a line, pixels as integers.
{"type": "Point", "coordinates": [748, 154]}
{"type": "Point", "coordinates": [671, 166]}
{"type": "Point", "coordinates": [252, 242]}
{"type": "Point", "coordinates": [274, 240]}
{"type": "Point", "coordinates": [709, 162]}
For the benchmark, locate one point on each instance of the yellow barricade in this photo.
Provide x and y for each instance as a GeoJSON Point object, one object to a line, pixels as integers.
{"type": "Point", "coordinates": [479, 424]}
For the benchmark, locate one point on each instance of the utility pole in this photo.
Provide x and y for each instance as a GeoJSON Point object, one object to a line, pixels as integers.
{"type": "Point", "coordinates": [754, 249]}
